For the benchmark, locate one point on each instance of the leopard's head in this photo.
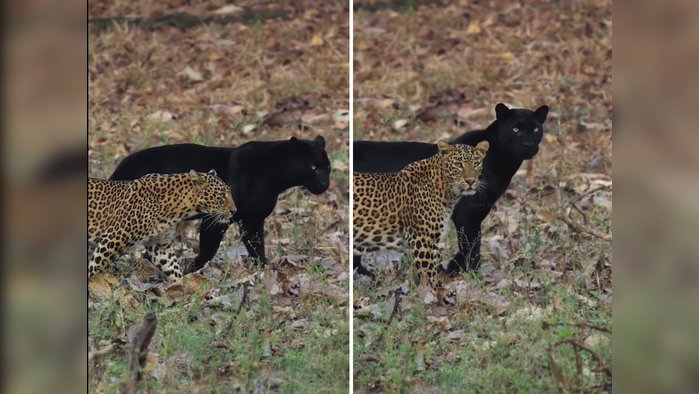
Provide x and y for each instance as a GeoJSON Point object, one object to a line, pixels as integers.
{"type": "Point", "coordinates": [463, 165]}
{"type": "Point", "coordinates": [213, 196]}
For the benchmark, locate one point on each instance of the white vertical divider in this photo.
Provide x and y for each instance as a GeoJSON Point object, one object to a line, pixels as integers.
{"type": "Point", "coordinates": [351, 168]}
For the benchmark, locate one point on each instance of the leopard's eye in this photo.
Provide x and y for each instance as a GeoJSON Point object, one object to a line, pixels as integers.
{"type": "Point", "coordinates": [536, 129]}
{"type": "Point", "coordinates": [516, 130]}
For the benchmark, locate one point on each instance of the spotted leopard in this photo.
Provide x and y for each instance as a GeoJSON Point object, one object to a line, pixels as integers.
{"type": "Point", "coordinates": [411, 208]}
{"type": "Point", "coordinates": [122, 214]}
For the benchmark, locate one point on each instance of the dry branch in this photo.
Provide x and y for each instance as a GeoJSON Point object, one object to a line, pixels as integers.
{"type": "Point", "coordinates": [602, 367]}
{"type": "Point", "coordinates": [577, 348]}
{"type": "Point", "coordinates": [396, 305]}
{"type": "Point", "coordinates": [139, 350]}
{"type": "Point", "coordinates": [580, 229]}
{"type": "Point", "coordinates": [101, 352]}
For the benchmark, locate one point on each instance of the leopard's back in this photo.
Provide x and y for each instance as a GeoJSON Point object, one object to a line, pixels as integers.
{"type": "Point", "coordinates": [379, 200]}
{"type": "Point", "coordinates": [388, 208]}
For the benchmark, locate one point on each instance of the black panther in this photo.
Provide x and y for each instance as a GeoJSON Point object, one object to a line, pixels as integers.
{"type": "Point", "coordinates": [257, 172]}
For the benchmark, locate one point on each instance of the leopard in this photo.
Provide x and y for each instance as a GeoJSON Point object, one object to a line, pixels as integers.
{"type": "Point", "coordinates": [122, 214]}
{"type": "Point", "coordinates": [411, 208]}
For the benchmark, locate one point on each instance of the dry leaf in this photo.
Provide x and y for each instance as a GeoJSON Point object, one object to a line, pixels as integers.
{"type": "Point", "coordinates": [228, 9]}
{"type": "Point", "coordinates": [506, 55]}
{"type": "Point", "coordinates": [474, 27]}
{"type": "Point", "coordinates": [100, 284]}
{"type": "Point", "coordinates": [400, 123]}
{"type": "Point", "coordinates": [317, 40]}
{"type": "Point", "coordinates": [161, 115]}
{"type": "Point", "coordinates": [193, 74]}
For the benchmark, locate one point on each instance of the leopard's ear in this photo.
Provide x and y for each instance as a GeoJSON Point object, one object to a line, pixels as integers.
{"type": "Point", "coordinates": [211, 171]}
{"type": "Point", "coordinates": [482, 148]}
{"type": "Point", "coordinates": [196, 179]}
{"type": "Point", "coordinates": [444, 147]}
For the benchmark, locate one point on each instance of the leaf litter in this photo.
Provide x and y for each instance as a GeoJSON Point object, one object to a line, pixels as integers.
{"type": "Point", "coordinates": [546, 245]}
{"type": "Point", "coordinates": [224, 85]}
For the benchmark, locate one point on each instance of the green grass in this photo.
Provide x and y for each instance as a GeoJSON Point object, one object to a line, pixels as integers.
{"type": "Point", "coordinates": [506, 352]}
{"type": "Point", "coordinates": [229, 351]}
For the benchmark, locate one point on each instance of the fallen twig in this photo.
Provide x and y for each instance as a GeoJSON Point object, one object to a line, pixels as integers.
{"type": "Point", "coordinates": [577, 348]}
{"type": "Point", "coordinates": [580, 229]}
{"type": "Point", "coordinates": [101, 352]}
{"type": "Point", "coordinates": [139, 350]}
{"type": "Point", "coordinates": [579, 325]}
{"type": "Point", "coordinates": [396, 308]}
{"type": "Point", "coordinates": [244, 299]}
{"type": "Point", "coordinates": [396, 305]}
{"type": "Point", "coordinates": [601, 367]}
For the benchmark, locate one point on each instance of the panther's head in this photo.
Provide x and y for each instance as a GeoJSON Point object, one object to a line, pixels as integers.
{"type": "Point", "coordinates": [463, 165]}
{"type": "Point", "coordinates": [310, 166]}
{"type": "Point", "coordinates": [520, 130]}
{"type": "Point", "coordinates": [213, 196]}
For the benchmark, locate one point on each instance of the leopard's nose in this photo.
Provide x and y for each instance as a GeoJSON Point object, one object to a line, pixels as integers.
{"type": "Point", "coordinates": [471, 181]}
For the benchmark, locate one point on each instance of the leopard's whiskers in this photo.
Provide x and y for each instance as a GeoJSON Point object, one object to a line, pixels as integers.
{"type": "Point", "coordinates": [482, 185]}
{"type": "Point", "coordinates": [214, 219]}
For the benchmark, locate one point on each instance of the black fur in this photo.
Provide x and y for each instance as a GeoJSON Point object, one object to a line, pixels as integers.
{"type": "Point", "coordinates": [64, 165]}
{"type": "Point", "coordinates": [508, 149]}
{"type": "Point", "coordinates": [257, 173]}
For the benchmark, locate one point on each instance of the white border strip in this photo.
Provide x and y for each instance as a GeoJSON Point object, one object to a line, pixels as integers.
{"type": "Point", "coordinates": [351, 169]}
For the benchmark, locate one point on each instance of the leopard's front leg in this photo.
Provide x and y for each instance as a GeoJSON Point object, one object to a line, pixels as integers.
{"type": "Point", "coordinates": [425, 254]}
{"type": "Point", "coordinates": [159, 251]}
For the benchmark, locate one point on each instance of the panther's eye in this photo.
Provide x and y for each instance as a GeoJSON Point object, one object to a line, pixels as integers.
{"type": "Point", "coordinates": [536, 129]}
{"type": "Point", "coordinates": [313, 167]}
{"type": "Point", "coordinates": [516, 130]}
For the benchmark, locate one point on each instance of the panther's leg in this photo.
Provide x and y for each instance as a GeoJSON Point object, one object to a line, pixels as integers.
{"type": "Point", "coordinates": [361, 270]}
{"type": "Point", "coordinates": [211, 234]}
{"type": "Point", "coordinates": [159, 248]}
{"type": "Point", "coordinates": [108, 248]}
{"type": "Point", "coordinates": [468, 216]}
{"type": "Point", "coordinates": [253, 234]}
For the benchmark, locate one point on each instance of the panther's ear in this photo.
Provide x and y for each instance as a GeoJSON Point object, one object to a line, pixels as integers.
{"type": "Point", "coordinates": [541, 113]}
{"type": "Point", "coordinates": [320, 141]}
{"type": "Point", "coordinates": [212, 172]}
{"type": "Point", "coordinates": [196, 179]}
{"type": "Point", "coordinates": [444, 147]}
{"type": "Point", "coordinates": [482, 148]}
{"type": "Point", "coordinates": [501, 111]}
{"type": "Point", "coordinates": [293, 139]}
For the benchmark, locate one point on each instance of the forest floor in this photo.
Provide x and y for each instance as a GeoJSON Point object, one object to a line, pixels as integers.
{"type": "Point", "coordinates": [281, 71]}
{"type": "Point", "coordinates": [538, 316]}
